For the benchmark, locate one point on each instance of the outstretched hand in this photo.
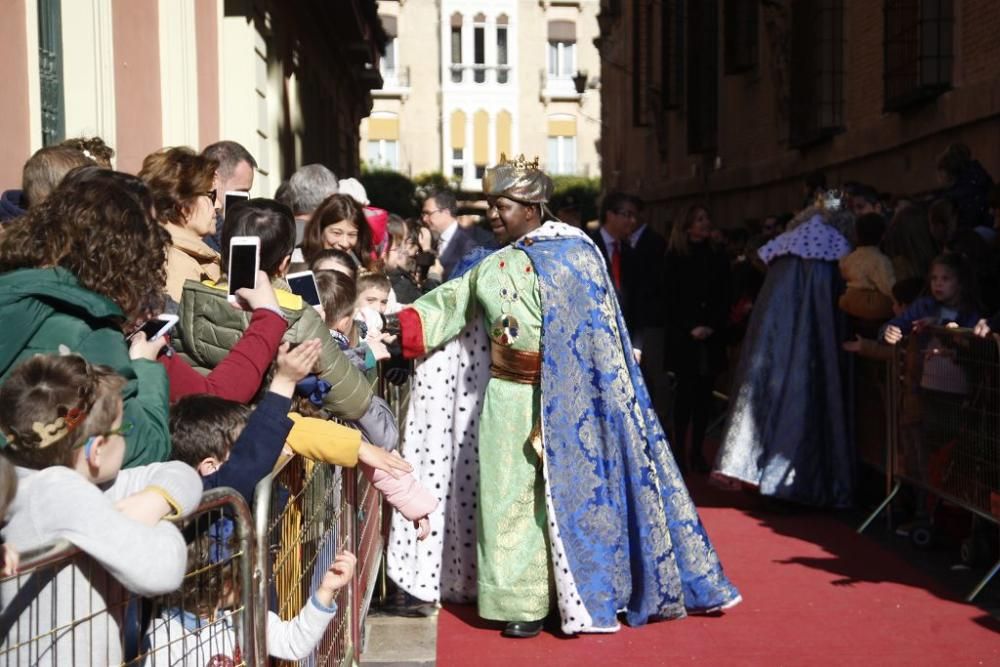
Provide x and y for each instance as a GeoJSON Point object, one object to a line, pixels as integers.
{"type": "Point", "coordinates": [338, 576]}
{"type": "Point", "coordinates": [380, 459]}
{"type": "Point", "coordinates": [294, 364]}
{"type": "Point", "coordinates": [261, 296]}
{"type": "Point", "coordinates": [423, 526]}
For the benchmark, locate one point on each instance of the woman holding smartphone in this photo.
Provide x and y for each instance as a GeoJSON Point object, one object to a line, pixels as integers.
{"type": "Point", "coordinates": [74, 272]}
{"type": "Point", "coordinates": [180, 181]}
{"type": "Point", "coordinates": [339, 223]}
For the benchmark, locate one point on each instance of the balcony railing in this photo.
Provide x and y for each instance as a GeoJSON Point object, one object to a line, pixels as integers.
{"type": "Point", "coordinates": [480, 74]}
{"type": "Point", "coordinates": [554, 87]}
{"type": "Point", "coordinates": [395, 83]}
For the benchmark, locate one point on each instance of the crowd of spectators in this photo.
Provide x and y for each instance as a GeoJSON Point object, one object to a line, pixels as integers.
{"type": "Point", "coordinates": [109, 430]}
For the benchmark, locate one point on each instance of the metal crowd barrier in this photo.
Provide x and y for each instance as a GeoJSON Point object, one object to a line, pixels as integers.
{"type": "Point", "coordinates": [274, 559]}
{"type": "Point", "coordinates": [944, 425]}
{"type": "Point", "coordinates": [64, 608]}
{"type": "Point", "coordinates": [303, 518]}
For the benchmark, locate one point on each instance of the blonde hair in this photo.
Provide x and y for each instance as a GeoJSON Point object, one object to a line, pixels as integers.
{"type": "Point", "coordinates": [679, 232]}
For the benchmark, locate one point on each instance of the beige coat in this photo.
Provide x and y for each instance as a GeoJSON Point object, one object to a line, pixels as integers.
{"type": "Point", "coordinates": [189, 258]}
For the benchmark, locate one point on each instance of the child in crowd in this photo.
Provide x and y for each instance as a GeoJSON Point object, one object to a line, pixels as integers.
{"type": "Point", "coordinates": [868, 273]}
{"type": "Point", "coordinates": [373, 292]}
{"type": "Point", "coordinates": [62, 418]}
{"type": "Point", "coordinates": [196, 628]}
{"type": "Point", "coordinates": [208, 432]}
{"type": "Point", "coordinates": [904, 293]}
{"type": "Point", "coordinates": [338, 296]}
{"type": "Point", "coordinates": [400, 251]}
{"type": "Point", "coordinates": [333, 259]}
{"type": "Point", "coordinates": [952, 301]}
{"type": "Point", "coordinates": [233, 445]}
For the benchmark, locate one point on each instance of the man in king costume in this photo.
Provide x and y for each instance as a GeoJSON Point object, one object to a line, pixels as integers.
{"type": "Point", "coordinates": [579, 500]}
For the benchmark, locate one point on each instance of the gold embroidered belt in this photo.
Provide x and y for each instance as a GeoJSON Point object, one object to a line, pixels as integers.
{"type": "Point", "coordinates": [515, 365]}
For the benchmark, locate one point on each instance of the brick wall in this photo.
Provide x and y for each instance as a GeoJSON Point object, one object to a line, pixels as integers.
{"type": "Point", "coordinates": [755, 172]}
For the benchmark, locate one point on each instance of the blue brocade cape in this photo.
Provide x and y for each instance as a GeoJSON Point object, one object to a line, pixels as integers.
{"type": "Point", "coordinates": [626, 534]}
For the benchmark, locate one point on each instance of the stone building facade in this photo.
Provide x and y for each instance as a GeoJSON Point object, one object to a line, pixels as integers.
{"type": "Point", "coordinates": [466, 80]}
{"type": "Point", "coordinates": [288, 80]}
{"type": "Point", "coordinates": [733, 102]}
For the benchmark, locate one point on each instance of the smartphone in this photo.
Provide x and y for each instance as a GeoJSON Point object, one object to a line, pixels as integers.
{"type": "Point", "coordinates": [244, 262]}
{"type": "Point", "coordinates": [304, 284]}
{"type": "Point", "coordinates": [156, 327]}
{"type": "Point", "coordinates": [234, 197]}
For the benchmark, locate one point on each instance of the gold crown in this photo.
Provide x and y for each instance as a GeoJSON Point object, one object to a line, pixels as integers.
{"type": "Point", "coordinates": [520, 163]}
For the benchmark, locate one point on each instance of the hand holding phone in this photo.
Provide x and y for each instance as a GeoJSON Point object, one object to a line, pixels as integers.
{"type": "Point", "coordinates": [244, 263]}
{"type": "Point", "coordinates": [156, 327]}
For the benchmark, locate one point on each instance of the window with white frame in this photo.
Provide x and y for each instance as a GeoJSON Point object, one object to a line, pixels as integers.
{"type": "Point", "coordinates": [388, 63]}
{"type": "Point", "coordinates": [479, 48]}
{"type": "Point", "coordinates": [502, 54]}
{"type": "Point", "coordinates": [458, 163]}
{"type": "Point", "coordinates": [562, 57]}
{"type": "Point", "coordinates": [562, 50]}
{"type": "Point", "coordinates": [456, 48]}
{"type": "Point", "coordinates": [562, 155]}
{"type": "Point", "coordinates": [384, 153]}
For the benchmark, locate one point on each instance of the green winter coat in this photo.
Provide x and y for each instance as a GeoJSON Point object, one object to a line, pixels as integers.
{"type": "Point", "coordinates": [210, 326]}
{"type": "Point", "coordinates": [41, 309]}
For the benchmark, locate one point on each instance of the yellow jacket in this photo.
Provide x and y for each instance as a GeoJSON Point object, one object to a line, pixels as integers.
{"type": "Point", "coordinates": [322, 440]}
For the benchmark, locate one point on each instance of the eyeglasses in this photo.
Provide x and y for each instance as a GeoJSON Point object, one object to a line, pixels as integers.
{"type": "Point", "coordinates": [427, 214]}
{"type": "Point", "coordinates": [211, 194]}
{"type": "Point", "coordinates": [123, 430]}
{"type": "Point", "coordinates": [626, 213]}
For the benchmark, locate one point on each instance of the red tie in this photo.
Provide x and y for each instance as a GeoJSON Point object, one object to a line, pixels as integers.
{"type": "Point", "coordinates": [616, 265]}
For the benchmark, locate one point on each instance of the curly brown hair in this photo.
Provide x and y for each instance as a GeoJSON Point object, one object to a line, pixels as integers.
{"type": "Point", "coordinates": [94, 148]}
{"type": "Point", "coordinates": [176, 177]}
{"type": "Point", "coordinates": [334, 209]}
{"type": "Point", "coordinates": [98, 226]}
{"type": "Point", "coordinates": [37, 399]}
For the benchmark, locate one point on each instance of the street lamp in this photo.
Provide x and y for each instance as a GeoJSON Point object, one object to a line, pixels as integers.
{"type": "Point", "coordinates": [580, 82]}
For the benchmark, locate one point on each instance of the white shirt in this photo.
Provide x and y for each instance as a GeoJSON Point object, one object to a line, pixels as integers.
{"type": "Point", "coordinates": [633, 239]}
{"type": "Point", "coordinates": [446, 236]}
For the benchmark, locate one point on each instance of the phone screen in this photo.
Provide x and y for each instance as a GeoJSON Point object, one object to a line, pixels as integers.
{"type": "Point", "coordinates": [242, 267]}
{"type": "Point", "coordinates": [152, 327]}
{"type": "Point", "coordinates": [305, 286]}
{"type": "Point", "coordinates": [232, 199]}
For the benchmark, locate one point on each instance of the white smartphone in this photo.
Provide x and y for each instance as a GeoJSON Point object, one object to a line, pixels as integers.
{"type": "Point", "coordinates": [157, 326]}
{"type": "Point", "coordinates": [303, 283]}
{"type": "Point", "coordinates": [244, 262]}
{"type": "Point", "coordinates": [234, 197]}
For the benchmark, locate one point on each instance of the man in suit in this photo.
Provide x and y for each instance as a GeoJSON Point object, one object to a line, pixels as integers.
{"type": "Point", "coordinates": [618, 216]}
{"type": "Point", "coordinates": [454, 241]}
{"type": "Point", "coordinates": [649, 248]}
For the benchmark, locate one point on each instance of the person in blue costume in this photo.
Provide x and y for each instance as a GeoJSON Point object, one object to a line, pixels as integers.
{"type": "Point", "coordinates": [789, 431]}
{"type": "Point", "coordinates": [580, 503]}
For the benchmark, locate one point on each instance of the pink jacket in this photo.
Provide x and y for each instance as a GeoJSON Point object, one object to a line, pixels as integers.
{"type": "Point", "coordinates": [406, 494]}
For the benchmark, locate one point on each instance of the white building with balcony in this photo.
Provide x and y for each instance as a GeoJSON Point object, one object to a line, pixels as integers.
{"type": "Point", "coordinates": [467, 80]}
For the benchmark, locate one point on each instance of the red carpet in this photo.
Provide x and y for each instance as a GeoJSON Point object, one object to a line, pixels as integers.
{"type": "Point", "coordinates": [814, 593]}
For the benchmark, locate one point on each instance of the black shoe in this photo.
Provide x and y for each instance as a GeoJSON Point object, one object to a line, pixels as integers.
{"type": "Point", "coordinates": [523, 629]}
{"type": "Point", "coordinates": [403, 604]}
